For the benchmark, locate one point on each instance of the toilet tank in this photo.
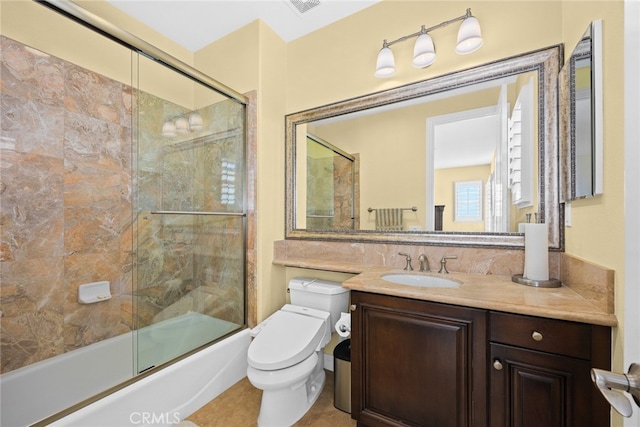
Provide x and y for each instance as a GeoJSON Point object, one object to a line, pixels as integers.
{"type": "Point", "coordinates": [321, 295]}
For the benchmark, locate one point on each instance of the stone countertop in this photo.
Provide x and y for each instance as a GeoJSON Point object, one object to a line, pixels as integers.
{"type": "Point", "coordinates": [490, 292]}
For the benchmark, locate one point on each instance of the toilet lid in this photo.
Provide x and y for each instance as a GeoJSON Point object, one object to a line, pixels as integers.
{"type": "Point", "coordinates": [287, 339]}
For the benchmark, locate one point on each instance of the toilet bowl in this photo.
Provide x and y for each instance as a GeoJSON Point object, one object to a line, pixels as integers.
{"type": "Point", "coordinates": [285, 358]}
{"type": "Point", "coordinates": [286, 363]}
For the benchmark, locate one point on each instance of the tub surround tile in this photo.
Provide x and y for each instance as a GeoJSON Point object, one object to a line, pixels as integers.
{"type": "Point", "coordinates": [31, 336]}
{"type": "Point", "coordinates": [66, 204]}
{"type": "Point", "coordinates": [92, 94]}
{"type": "Point", "coordinates": [30, 74]}
{"type": "Point", "coordinates": [31, 292]}
{"type": "Point", "coordinates": [586, 294]}
{"type": "Point", "coordinates": [251, 221]}
{"type": "Point", "coordinates": [32, 206]}
{"type": "Point", "coordinates": [31, 127]}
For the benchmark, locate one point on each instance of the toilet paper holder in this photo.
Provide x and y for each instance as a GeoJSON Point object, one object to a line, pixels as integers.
{"type": "Point", "coordinates": [343, 325]}
{"type": "Point", "coordinates": [609, 383]}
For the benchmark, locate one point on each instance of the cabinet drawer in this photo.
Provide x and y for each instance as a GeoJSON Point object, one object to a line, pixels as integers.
{"type": "Point", "coordinates": [548, 335]}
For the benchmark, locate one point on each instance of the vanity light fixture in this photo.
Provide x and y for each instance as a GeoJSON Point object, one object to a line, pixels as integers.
{"type": "Point", "coordinates": [424, 51]}
{"type": "Point", "coordinates": [182, 125]}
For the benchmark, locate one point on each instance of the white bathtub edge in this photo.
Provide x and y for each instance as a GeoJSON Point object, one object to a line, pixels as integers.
{"type": "Point", "coordinates": [173, 393]}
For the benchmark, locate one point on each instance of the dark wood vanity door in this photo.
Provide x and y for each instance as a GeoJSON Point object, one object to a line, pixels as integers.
{"type": "Point", "coordinates": [532, 389]}
{"type": "Point", "coordinates": [412, 363]}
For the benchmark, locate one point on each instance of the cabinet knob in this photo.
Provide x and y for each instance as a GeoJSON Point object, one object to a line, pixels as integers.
{"type": "Point", "coordinates": [497, 365]}
{"type": "Point", "coordinates": [353, 307]}
{"type": "Point", "coordinates": [537, 336]}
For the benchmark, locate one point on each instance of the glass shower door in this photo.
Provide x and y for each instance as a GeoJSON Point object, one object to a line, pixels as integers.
{"type": "Point", "coordinates": [189, 237]}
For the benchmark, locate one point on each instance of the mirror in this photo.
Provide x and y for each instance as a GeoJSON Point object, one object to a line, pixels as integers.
{"type": "Point", "coordinates": [581, 116]}
{"type": "Point", "coordinates": [399, 190]}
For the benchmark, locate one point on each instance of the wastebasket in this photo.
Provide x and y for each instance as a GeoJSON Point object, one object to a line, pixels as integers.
{"type": "Point", "coordinates": [342, 376]}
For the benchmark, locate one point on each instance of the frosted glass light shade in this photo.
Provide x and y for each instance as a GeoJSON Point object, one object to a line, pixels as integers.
{"type": "Point", "coordinates": [424, 53]}
{"type": "Point", "coordinates": [469, 36]}
{"type": "Point", "coordinates": [385, 65]}
{"type": "Point", "coordinates": [168, 129]}
{"type": "Point", "coordinates": [182, 125]}
{"type": "Point", "coordinates": [195, 122]}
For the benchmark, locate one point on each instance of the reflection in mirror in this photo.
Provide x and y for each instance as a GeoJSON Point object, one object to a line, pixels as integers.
{"type": "Point", "coordinates": [458, 159]}
{"type": "Point", "coordinates": [417, 153]}
{"type": "Point", "coordinates": [330, 186]}
{"type": "Point", "coordinates": [581, 116]}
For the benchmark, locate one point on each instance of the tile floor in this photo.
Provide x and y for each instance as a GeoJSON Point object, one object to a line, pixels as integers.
{"type": "Point", "coordinates": [239, 407]}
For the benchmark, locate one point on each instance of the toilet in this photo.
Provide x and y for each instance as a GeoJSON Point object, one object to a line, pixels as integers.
{"type": "Point", "coordinates": [285, 358]}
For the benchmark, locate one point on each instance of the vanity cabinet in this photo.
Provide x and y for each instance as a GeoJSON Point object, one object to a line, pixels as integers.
{"type": "Point", "coordinates": [422, 363]}
{"type": "Point", "coordinates": [417, 363]}
{"type": "Point", "coordinates": [540, 372]}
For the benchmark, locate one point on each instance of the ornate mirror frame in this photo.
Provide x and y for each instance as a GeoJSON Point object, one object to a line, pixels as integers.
{"type": "Point", "coordinates": [545, 61]}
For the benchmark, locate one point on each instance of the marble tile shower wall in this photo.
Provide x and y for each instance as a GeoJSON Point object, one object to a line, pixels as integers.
{"type": "Point", "coordinates": [67, 179]}
{"type": "Point", "coordinates": [66, 204]}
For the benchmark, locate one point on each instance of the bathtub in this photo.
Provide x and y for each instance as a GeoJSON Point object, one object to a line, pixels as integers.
{"type": "Point", "coordinates": [37, 391]}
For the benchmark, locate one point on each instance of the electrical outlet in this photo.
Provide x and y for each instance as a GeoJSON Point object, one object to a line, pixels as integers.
{"type": "Point", "coordinates": [415, 228]}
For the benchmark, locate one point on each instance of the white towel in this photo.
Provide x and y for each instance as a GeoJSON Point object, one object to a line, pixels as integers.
{"type": "Point", "coordinates": [389, 219]}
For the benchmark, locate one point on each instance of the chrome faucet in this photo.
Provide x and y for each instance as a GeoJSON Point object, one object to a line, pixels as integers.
{"type": "Point", "coordinates": [408, 266]}
{"type": "Point", "coordinates": [443, 264]}
{"type": "Point", "coordinates": [424, 263]}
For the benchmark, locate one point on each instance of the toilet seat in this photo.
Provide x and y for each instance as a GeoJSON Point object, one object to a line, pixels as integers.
{"type": "Point", "coordinates": [286, 340]}
{"type": "Point", "coordinates": [266, 380]}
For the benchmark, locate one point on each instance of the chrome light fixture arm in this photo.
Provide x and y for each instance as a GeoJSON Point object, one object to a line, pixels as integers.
{"type": "Point", "coordinates": [424, 30]}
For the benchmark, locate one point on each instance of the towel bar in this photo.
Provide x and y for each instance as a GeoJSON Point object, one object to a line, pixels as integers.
{"type": "Point", "coordinates": [414, 208]}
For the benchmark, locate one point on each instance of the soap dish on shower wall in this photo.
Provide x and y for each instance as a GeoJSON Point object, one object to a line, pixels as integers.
{"type": "Point", "coordinates": [93, 292]}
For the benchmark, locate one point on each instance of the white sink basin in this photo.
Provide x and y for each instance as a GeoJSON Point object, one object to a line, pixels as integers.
{"type": "Point", "coordinates": [420, 280]}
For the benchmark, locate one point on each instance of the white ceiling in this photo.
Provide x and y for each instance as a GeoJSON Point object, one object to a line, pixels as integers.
{"type": "Point", "coordinates": [466, 142]}
{"type": "Point", "coordinates": [194, 24]}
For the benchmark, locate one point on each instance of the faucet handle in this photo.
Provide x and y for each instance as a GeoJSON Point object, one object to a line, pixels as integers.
{"type": "Point", "coordinates": [408, 266]}
{"type": "Point", "coordinates": [443, 263]}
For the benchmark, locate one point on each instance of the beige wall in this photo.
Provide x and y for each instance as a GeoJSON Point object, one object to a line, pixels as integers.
{"type": "Point", "coordinates": [338, 61]}
{"type": "Point", "coordinates": [597, 225]}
